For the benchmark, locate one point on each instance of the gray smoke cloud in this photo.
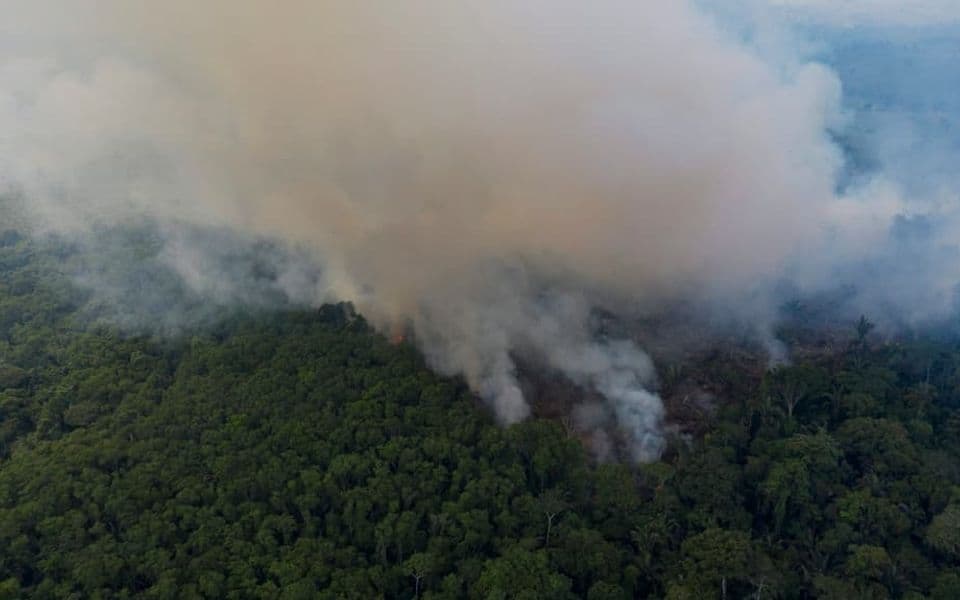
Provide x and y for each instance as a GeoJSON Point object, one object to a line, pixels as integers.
{"type": "Point", "coordinates": [481, 174]}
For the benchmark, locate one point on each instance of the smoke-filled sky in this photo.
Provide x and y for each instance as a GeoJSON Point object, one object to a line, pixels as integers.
{"type": "Point", "coordinates": [487, 173]}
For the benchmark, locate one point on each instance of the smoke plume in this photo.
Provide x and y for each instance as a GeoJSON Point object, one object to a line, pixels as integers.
{"type": "Point", "coordinates": [481, 174]}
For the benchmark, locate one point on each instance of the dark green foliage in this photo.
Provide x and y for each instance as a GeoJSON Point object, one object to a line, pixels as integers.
{"type": "Point", "coordinates": [300, 455]}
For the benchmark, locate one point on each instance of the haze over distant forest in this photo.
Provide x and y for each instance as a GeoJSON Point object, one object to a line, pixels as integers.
{"type": "Point", "coordinates": [535, 299]}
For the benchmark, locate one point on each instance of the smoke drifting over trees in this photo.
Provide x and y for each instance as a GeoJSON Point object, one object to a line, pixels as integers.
{"type": "Point", "coordinates": [481, 174]}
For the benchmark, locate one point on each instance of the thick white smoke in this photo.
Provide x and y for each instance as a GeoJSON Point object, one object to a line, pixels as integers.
{"type": "Point", "coordinates": [485, 173]}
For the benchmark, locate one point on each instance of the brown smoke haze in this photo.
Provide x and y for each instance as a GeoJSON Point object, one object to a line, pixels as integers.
{"type": "Point", "coordinates": [483, 173]}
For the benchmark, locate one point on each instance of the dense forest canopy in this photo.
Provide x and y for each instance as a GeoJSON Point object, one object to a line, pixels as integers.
{"type": "Point", "coordinates": [299, 454]}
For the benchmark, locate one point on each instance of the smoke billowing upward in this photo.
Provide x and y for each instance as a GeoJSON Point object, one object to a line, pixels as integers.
{"type": "Point", "coordinates": [484, 174]}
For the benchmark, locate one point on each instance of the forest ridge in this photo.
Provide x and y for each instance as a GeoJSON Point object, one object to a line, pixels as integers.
{"type": "Point", "coordinates": [300, 455]}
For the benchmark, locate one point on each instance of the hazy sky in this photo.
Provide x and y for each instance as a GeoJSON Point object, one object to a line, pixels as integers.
{"type": "Point", "coordinates": [885, 12]}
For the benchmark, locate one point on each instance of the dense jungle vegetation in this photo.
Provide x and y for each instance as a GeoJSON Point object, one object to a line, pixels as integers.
{"type": "Point", "coordinates": [298, 454]}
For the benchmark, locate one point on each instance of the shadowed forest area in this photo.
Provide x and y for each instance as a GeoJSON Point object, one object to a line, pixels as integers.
{"type": "Point", "coordinates": [300, 454]}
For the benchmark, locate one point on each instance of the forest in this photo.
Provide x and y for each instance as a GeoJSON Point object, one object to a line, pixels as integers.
{"type": "Point", "coordinates": [296, 454]}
